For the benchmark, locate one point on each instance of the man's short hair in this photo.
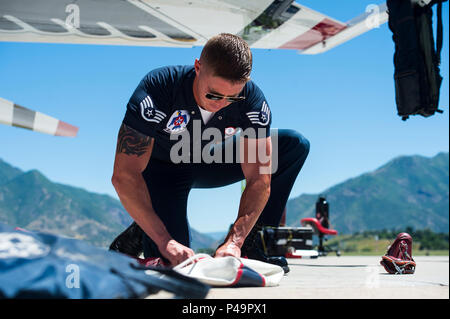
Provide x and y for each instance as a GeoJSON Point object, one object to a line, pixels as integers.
{"type": "Point", "coordinates": [228, 56]}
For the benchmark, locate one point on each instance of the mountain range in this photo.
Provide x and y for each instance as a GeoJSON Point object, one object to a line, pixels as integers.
{"type": "Point", "coordinates": [407, 191]}
{"type": "Point", "coordinates": [31, 201]}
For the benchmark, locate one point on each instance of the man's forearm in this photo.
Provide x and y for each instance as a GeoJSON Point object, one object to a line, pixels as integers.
{"type": "Point", "coordinates": [136, 200]}
{"type": "Point", "coordinates": [253, 201]}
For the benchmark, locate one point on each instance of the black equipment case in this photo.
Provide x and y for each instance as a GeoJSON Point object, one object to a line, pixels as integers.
{"type": "Point", "coordinates": [281, 240]}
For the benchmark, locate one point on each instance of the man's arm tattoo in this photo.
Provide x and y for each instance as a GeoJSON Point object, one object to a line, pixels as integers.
{"type": "Point", "coordinates": [131, 142]}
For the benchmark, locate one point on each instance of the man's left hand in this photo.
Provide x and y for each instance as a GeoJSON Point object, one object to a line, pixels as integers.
{"type": "Point", "coordinates": [228, 249]}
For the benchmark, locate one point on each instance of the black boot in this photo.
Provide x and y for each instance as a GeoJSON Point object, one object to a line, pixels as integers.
{"type": "Point", "coordinates": [129, 242]}
{"type": "Point", "coordinates": [253, 248]}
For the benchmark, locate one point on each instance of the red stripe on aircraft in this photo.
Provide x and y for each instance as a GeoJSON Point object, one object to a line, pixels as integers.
{"type": "Point", "coordinates": [320, 32]}
{"type": "Point", "coordinates": [65, 129]}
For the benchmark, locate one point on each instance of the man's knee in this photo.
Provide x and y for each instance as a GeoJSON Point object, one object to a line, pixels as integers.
{"type": "Point", "coordinates": [293, 142]}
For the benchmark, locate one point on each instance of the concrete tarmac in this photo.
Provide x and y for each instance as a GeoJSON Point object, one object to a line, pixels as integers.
{"type": "Point", "coordinates": [347, 277]}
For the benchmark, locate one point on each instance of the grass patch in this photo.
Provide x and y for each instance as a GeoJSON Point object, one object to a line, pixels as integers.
{"type": "Point", "coordinates": [363, 245]}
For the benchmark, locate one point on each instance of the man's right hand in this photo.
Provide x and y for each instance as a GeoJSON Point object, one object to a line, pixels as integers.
{"type": "Point", "coordinates": [175, 252]}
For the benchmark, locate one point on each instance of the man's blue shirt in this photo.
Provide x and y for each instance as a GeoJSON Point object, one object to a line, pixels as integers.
{"type": "Point", "coordinates": [163, 104]}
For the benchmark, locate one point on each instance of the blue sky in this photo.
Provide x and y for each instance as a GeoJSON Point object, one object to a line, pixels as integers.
{"type": "Point", "coordinates": [343, 101]}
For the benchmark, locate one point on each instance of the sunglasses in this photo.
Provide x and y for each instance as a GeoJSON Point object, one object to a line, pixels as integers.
{"type": "Point", "coordinates": [231, 99]}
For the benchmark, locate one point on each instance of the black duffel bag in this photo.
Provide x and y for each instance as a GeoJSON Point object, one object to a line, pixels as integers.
{"type": "Point", "coordinates": [417, 57]}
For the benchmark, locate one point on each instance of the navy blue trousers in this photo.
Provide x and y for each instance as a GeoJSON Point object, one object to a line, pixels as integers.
{"type": "Point", "coordinates": [169, 186]}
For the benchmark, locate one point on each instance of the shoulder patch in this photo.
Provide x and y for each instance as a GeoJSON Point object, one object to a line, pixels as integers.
{"type": "Point", "coordinates": [262, 117]}
{"type": "Point", "coordinates": [177, 122]}
{"type": "Point", "coordinates": [149, 112]}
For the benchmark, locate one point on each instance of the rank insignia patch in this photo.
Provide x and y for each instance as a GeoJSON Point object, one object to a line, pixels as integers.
{"type": "Point", "coordinates": [262, 117]}
{"type": "Point", "coordinates": [149, 112]}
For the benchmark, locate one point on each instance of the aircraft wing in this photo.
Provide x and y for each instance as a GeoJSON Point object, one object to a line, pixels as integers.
{"type": "Point", "coordinates": [19, 116]}
{"type": "Point", "coordinates": [267, 24]}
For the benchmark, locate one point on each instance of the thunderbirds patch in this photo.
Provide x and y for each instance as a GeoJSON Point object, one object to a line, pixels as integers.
{"type": "Point", "coordinates": [177, 122]}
